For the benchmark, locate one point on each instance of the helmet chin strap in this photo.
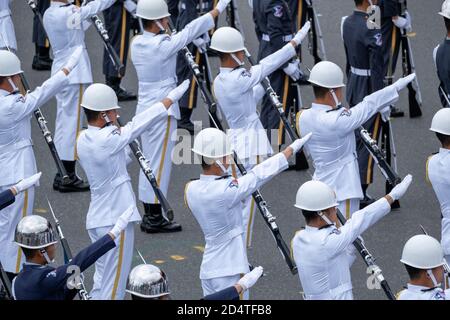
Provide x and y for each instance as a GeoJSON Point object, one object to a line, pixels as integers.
{"type": "Point", "coordinates": [160, 26]}
{"type": "Point", "coordinates": [336, 100]}
{"type": "Point", "coordinates": [433, 278]}
{"type": "Point", "coordinates": [239, 62]}
{"type": "Point", "coordinates": [221, 166]}
{"type": "Point", "coordinates": [46, 257]}
{"type": "Point", "coordinates": [13, 85]}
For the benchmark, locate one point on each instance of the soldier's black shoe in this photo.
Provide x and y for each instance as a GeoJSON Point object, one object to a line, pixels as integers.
{"type": "Point", "coordinates": [396, 112]}
{"type": "Point", "coordinates": [124, 95]}
{"type": "Point", "coordinates": [74, 184]}
{"type": "Point", "coordinates": [366, 201]}
{"type": "Point", "coordinates": [154, 222]}
{"type": "Point", "coordinates": [185, 121]}
{"type": "Point", "coordinates": [41, 64]}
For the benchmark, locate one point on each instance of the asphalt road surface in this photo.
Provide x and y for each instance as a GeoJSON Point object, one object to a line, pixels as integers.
{"type": "Point", "coordinates": [180, 254]}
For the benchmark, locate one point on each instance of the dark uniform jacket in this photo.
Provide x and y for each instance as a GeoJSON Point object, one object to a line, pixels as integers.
{"type": "Point", "coordinates": [443, 70]}
{"type": "Point", "coordinates": [43, 282]}
{"type": "Point", "coordinates": [229, 293]}
{"type": "Point", "coordinates": [6, 198]}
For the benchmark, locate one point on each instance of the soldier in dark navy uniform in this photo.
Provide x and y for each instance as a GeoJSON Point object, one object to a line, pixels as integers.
{"type": "Point", "coordinates": [40, 281]}
{"type": "Point", "coordinates": [391, 25]}
{"type": "Point", "coordinates": [190, 10]}
{"type": "Point", "coordinates": [276, 21]}
{"type": "Point", "coordinates": [118, 22]}
{"type": "Point", "coordinates": [41, 60]}
{"type": "Point", "coordinates": [363, 49]}
{"type": "Point", "coordinates": [441, 57]}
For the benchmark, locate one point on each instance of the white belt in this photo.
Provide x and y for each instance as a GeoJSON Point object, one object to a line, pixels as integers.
{"type": "Point", "coordinates": [15, 146]}
{"type": "Point", "coordinates": [111, 185]}
{"type": "Point", "coordinates": [158, 84]}
{"type": "Point", "coordinates": [243, 123]}
{"type": "Point", "coordinates": [205, 5]}
{"type": "Point", "coordinates": [286, 38]}
{"type": "Point", "coordinates": [225, 237]}
{"type": "Point", "coordinates": [332, 294]}
{"type": "Point", "coordinates": [4, 13]}
{"type": "Point", "coordinates": [337, 164]}
{"type": "Point", "coordinates": [360, 72]}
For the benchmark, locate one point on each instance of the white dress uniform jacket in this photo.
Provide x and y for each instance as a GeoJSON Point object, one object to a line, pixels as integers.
{"type": "Point", "coordinates": [238, 92]}
{"type": "Point", "coordinates": [216, 204]}
{"type": "Point", "coordinates": [17, 160]}
{"type": "Point", "coordinates": [65, 25]}
{"type": "Point", "coordinates": [16, 153]}
{"type": "Point", "coordinates": [155, 57]}
{"type": "Point", "coordinates": [103, 156]}
{"type": "Point", "coordinates": [438, 172]}
{"type": "Point", "coordinates": [7, 26]}
{"type": "Point", "coordinates": [332, 145]}
{"type": "Point", "coordinates": [413, 292]}
{"type": "Point", "coordinates": [324, 256]}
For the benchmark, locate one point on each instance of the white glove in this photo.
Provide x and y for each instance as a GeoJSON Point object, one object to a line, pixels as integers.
{"type": "Point", "coordinates": [299, 143]}
{"type": "Point", "coordinates": [293, 70]}
{"type": "Point", "coordinates": [27, 182]}
{"type": "Point", "coordinates": [177, 93]}
{"type": "Point", "coordinates": [131, 7]}
{"type": "Point", "coordinates": [402, 83]}
{"type": "Point", "coordinates": [403, 23]}
{"type": "Point", "coordinates": [122, 222]}
{"type": "Point", "coordinates": [74, 59]}
{"type": "Point", "coordinates": [222, 5]}
{"type": "Point", "coordinates": [201, 43]}
{"type": "Point", "coordinates": [302, 33]}
{"type": "Point", "coordinates": [386, 113]}
{"type": "Point", "coordinates": [400, 189]}
{"type": "Point", "coordinates": [249, 279]}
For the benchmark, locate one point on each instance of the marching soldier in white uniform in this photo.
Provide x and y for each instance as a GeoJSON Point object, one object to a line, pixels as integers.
{"type": "Point", "coordinates": [333, 146]}
{"type": "Point", "coordinates": [154, 55]}
{"type": "Point", "coordinates": [424, 259]}
{"type": "Point", "coordinates": [103, 156]}
{"type": "Point", "coordinates": [65, 24]}
{"type": "Point", "coordinates": [438, 173]}
{"type": "Point", "coordinates": [7, 34]}
{"type": "Point", "coordinates": [16, 147]}
{"type": "Point", "coordinates": [238, 92]}
{"type": "Point", "coordinates": [323, 253]}
{"type": "Point", "coordinates": [216, 202]}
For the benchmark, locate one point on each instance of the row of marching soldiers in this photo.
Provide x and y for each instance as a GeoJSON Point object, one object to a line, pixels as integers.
{"type": "Point", "coordinates": [216, 198]}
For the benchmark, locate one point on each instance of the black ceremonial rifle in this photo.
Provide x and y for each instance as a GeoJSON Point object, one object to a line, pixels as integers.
{"type": "Point", "coordinates": [316, 36]}
{"type": "Point", "coordinates": [5, 282]}
{"type": "Point", "coordinates": [369, 261]}
{"type": "Point", "coordinates": [201, 82]}
{"type": "Point", "coordinates": [82, 292]}
{"type": "Point", "coordinates": [143, 163]}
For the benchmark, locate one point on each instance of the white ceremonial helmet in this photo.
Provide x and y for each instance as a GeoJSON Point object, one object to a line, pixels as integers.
{"type": "Point", "coordinates": [441, 122]}
{"type": "Point", "coordinates": [152, 9]}
{"type": "Point", "coordinates": [147, 281]}
{"type": "Point", "coordinates": [227, 40]}
{"type": "Point", "coordinates": [422, 252]}
{"type": "Point", "coordinates": [100, 97]}
{"type": "Point", "coordinates": [212, 143]}
{"type": "Point", "coordinates": [34, 232]}
{"type": "Point", "coordinates": [445, 11]}
{"type": "Point", "coordinates": [9, 64]}
{"type": "Point", "coordinates": [327, 74]}
{"type": "Point", "coordinates": [315, 196]}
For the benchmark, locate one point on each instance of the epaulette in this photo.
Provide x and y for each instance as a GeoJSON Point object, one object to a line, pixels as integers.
{"type": "Point", "coordinates": [224, 177]}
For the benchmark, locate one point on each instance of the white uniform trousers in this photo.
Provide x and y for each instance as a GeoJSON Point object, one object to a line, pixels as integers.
{"type": "Point", "coordinates": [11, 255]}
{"type": "Point", "coordinates": [249, 207]}
{"type": "Point", "coordinates": [214, 285]}
{"type": "Point", "coordinates": [69, 120]}
{"type": "Point", "coordinates": [348, 207]}
{"type": "Point", "coordinates": [113, 268]}
{"type": "Point", "coordinates": [157, 144]}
